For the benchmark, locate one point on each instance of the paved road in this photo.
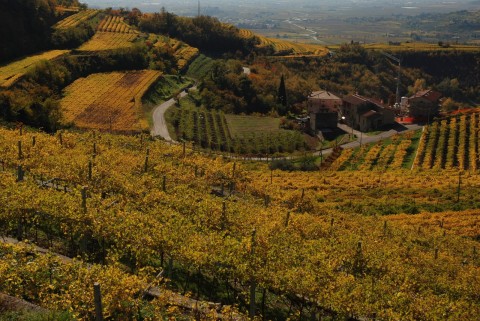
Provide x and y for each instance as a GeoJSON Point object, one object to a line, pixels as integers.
{"type": "Point", "coordinates": [365, 139]}
{"type": "Point", "coordinates": [159, 124]}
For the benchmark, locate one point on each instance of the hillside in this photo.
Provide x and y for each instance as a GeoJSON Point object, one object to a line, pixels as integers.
{"type": "Point", "coordinates": [150, 204]}
{"type": "Point", "coordinates": [110, 101]}
{"type": "Point", "coordinates": [190, 229]}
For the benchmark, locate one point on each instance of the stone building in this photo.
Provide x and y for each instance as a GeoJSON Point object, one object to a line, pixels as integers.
{"type": "Point", "coordinates": [366, 114]}
{"type": "Point", "coordinates": [323, 107]}
{"type": "Point", "coordinates": [424, 104]}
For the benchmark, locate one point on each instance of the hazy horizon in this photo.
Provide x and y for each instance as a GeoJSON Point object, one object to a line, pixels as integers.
{"type": "Point", "coordinates": [185, 7]}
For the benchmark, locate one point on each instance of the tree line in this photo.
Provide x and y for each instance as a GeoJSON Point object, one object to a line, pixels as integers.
{"type": "Point", "coordinates": [351, 69]}
{"type": "Point", "coordinates": [203, 32]}
{"type": "Point", "coordinates": [25, 25]}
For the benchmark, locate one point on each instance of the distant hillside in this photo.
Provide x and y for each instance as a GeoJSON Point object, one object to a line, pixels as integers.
{"type": "Point", "coordinates": [25, 25]}
{"type": "Point", "coordinates": [204, 32]}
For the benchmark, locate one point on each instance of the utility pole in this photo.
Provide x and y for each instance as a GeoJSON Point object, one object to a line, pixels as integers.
{"type": "Point", "coordinates": [198, 14]}
{"type": "Point", "coordinates": [399, 61]}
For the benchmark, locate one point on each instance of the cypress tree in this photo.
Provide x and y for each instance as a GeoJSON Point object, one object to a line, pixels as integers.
{"type": "Point", "coordinates": [282, 95]}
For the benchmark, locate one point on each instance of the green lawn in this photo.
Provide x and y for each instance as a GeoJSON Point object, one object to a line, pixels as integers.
{"type": "Point", "coordinates": [242, 125]}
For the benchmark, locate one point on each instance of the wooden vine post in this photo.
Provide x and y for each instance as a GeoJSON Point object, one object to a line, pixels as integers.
{"type": "Point", "coordinates": [253, 284]}
{"type": "Point", "coordinates": [146, 161]}
{"type": "Point", "coordinates": [459, 186]}
{"type": "Point", "coordinates": [97, 297]}
{"type": "Point", "coordinates": [84, 199]}
{"type": "Point", "coordinates": [90, 170]}
{"type": "Point", "coordinates": [223, 223]}
{"type": "Point", "coordinates": [20, 173]}
{"type": "Point", "coordinates": [19, 144]}
{"type": "Point", "coordinates": [287, 219]}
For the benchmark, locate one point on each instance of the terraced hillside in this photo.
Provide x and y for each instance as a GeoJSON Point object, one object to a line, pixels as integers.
{"type": "Point", "coordinates": [108, 101]}
{"type": "Point", "coordinates": [11, 73]}
{"type": "Point", "coordinates": [183, 53]}
{"type": "Point", "coordinates": [77, 18]}
{"type": "Point", "coordinates": [112, 33]}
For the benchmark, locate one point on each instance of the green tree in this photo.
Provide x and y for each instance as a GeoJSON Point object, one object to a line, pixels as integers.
{"type": "Point", "coordinates": [282, 96]}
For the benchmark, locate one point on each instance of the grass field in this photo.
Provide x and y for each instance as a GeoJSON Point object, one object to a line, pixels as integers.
{"type": "Point", "coordinates": [242, 125]}
{"type": "Point", "coordinates": [10, 73]}
{"type": "Point", "coordinates": [248, 135]}
{"type": "Point", "coordinates": [108, 101]}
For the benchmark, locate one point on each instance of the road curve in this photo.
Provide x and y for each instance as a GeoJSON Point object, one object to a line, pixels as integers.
{"type": "Point", "coordinates": [160, 128]}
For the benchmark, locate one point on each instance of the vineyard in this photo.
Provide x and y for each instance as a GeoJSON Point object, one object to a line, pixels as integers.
{"type": "Point", "coordinates": [183, 53]}
{"type": "Point", "coordinates": [297, 245]}
{"type": "Point", "coordinates": [12, 72]}
{"type": "Point", "coordinates": [390, 154]}
{"type": "Point", "coordinates": [108, 101]}
{"type": "Point", "coordinates": [419, 46]}
{"type": "Point", "coordinates": [109, 41]}
{"type": "Point", "coordinates": [76, 19]}
{"type": "Point", "coordinates": [112, 33]}
{"type": "Point", "coordinates": [115, 24]}
{"type": "Point", "coordinates": [210, 129]}
{"type": "Point", "coordinates": [287, 48]}
{"type": "Point", "coordinates": [450, 143]}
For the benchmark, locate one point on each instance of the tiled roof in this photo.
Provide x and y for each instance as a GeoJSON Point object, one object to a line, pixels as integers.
{"type": "Point", "coordinates": [429, 94]}
{"type": "Point", "coordinates": [323, 94]}
{"type": "Point", "coordinates": [371, 113]}
{"type": "Point", "coordinates": [357, 100]}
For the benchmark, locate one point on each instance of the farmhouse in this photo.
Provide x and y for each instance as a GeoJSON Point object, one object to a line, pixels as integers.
{"type": "Point", "coordinates": [366, 114]}
{"type": "Point", "coordinates": [424, 104]}
{"type": "Point", "coordinates": [323, 107]}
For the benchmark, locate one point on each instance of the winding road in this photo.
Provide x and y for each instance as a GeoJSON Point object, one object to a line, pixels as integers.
{"type": "Point", "coordinates": [160, 128]}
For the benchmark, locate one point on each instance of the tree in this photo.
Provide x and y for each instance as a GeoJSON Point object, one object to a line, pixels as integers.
{"type": "Point", "coordinates": [450, 105]}
{"type": "Point", "coordinates": [419, 85]}
{"type": "Point", "coordinates": [282, 96]}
